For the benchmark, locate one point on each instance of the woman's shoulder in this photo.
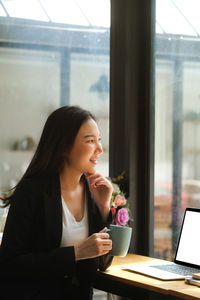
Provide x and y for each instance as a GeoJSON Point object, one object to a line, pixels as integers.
{"type": "Point", "coordinates": [35, 180]}
{"type": "Point", "coordinates": [34, 184]}
{"type": "Point", "coordinates": [31, 190]}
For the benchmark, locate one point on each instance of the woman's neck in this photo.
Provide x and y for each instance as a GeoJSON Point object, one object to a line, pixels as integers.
{"type": "Point", "coordinates": [70, 179]}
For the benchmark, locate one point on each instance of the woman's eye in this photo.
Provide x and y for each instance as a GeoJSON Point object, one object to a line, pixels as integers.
{"type": "Point", "coordinates": [90, 141]}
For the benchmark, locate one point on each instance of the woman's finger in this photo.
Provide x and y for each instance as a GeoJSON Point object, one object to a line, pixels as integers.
{"type": "Point", "coordinates": [93, 176]}
{"type": "Point", "coordinates": [100, 180]}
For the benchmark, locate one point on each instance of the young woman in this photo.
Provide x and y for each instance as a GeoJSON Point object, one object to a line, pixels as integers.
{"type": "Point", "coordinates": [54, 239]}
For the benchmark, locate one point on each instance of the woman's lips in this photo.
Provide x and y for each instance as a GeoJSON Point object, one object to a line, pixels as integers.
{"type": "Point", "coordinates": [93, 161]}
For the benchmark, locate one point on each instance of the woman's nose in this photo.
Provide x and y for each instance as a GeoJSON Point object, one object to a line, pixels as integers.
{"type": "Point", "coordinates": [99, 148]}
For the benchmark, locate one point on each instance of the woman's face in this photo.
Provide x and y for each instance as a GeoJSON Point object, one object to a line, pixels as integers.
{"type": "Point", "coordinates": [86, 149]}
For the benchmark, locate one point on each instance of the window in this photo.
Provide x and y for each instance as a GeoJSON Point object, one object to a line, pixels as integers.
{"type": "Point", "coordinates": [93, 93]}
{"type": "Point", "coordinates": [54, 53]}
{"type": "Point", "coordinates": [177, 120]}
{"type": "Point", "coordinates": [30, 90]}
{"type": "Point", "coordinates": [50, 59]}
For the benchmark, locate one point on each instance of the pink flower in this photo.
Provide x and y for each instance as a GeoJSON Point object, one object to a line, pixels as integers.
{"type": "Point", "coordinates": [113, 209]}
{"type": "Point", "coordinates": [122, 217]}
{"type": "Point", "coordinates": [119, 201]}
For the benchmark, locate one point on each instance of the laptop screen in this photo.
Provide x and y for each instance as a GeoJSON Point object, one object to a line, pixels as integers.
{"type": "Point", "coordinates": [188, 250]}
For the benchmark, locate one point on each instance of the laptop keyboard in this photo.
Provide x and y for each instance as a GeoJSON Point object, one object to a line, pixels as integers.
{"type": "Point", "coordinates": [177, 269]}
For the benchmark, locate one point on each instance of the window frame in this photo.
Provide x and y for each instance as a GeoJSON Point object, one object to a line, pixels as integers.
{"type": "Point", "coordinates": [132, 111]}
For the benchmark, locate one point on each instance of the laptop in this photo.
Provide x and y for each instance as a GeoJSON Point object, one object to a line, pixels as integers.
{"type": "Point", "coordinates": [187, 257]}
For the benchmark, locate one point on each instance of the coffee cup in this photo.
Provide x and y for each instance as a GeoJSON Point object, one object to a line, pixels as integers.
{"type": "Point", "coordinates": [121, 237]}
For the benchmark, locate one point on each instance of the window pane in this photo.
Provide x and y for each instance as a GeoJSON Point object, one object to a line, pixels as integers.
{"type": "Point", "coordinates": [25, 9]}
{"type": "Point", "coordinates": [178, 23]}
{"type": "Point", "coordinates": [25, 103]}
{"type": "Point", "coordinates": [64, 11]}
{"type": "Point", "coordinates": [2, 11]}
{"type": "Point", "coordinates": [94, 91]}
{"type": "Point", "coordinates": [177, 122]}
{"type": "Point", "coordinates": [45, 66]}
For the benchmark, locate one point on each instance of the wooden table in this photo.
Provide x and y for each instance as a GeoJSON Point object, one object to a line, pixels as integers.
{"type": "Point", "coordinates": [117, 281]}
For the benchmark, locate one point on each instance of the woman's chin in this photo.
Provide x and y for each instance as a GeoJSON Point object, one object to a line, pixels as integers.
{"type": "Point", "coordinates": [91, 170]}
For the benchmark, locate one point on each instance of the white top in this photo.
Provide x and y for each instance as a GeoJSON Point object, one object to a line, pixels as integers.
{"type": "Point", "coordinates": [73, 231]}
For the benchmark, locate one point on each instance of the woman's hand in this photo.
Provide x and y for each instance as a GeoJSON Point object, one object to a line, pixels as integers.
{"type": "Point", "coordinates": [101, 190]}
{"type": "Point", "coordinates": [95, 245]}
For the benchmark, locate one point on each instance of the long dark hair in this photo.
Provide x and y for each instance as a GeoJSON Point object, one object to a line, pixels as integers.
{"type": "Point", "coordinates": [58, 135]}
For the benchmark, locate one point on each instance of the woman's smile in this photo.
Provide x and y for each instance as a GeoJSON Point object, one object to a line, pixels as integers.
{"type": "Point", "coordinates": [94, 160]}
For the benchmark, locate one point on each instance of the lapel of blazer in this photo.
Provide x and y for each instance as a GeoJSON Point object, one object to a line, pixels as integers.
{"type": "Point", "coordinates": [53, 212]}
{"type": "Point", "coordinates": [90, 204]}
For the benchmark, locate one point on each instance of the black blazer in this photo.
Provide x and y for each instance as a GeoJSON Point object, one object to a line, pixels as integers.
{"type": "Point", "coordinates": [31, 240]}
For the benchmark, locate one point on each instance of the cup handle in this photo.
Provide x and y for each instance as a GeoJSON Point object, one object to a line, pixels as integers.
{"type": "Point", "coordinates": [107, 230]}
